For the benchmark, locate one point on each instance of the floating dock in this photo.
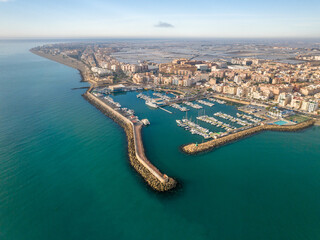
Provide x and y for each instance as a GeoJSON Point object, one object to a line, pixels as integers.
{"type": "Point", "coordinates": [165, 110]}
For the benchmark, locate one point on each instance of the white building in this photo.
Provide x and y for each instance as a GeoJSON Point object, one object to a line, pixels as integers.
{"type": "Point", "coordinates": [284, 99]}
{"type": "Point", "coordinates": [313, 106]}
{"type": "Point", "coordinates": [202, 67]}
{"type": "Point", "coordinates": [100, 71]}
{"type": "Point", "coordinates": [296, 102]}
{"type": "Point", "coordinates": [237, 79]}
{"type": "Point", "coordinates": [309, 106]}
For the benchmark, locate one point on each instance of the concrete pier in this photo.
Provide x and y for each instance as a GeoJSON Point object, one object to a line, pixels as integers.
{"type": "Point", "coordinates": [157, 180]}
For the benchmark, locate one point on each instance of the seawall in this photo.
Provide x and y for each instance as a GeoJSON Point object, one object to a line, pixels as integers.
{"type": "Point", "coordinates": [209, 145]}
{"type": "Point", "coordinates": [155, 179]}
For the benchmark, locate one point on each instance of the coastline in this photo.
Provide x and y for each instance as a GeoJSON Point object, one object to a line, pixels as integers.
{"type": "Point", "coordinates": [194, 149]}
{"type": "Point", "coordinates": [84, 71]}
{"type": "Point", "coordinates": [152, 176]}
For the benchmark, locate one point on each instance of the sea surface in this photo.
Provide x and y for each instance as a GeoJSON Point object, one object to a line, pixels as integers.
{"type": "Point", "coordinates": [64, 170]}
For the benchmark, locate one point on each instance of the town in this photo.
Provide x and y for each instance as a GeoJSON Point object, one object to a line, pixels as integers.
{"type": "Point", "coordinates": [254, 80]}
{"type": "Point", "coordinates": [253, 94]}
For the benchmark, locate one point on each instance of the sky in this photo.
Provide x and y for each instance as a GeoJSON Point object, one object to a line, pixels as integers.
{"type": "Point", "coordinates": [159, 19]}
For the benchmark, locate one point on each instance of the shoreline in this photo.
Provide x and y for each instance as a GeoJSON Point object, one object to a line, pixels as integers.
{"type": "Point", "coordinates": [151, 175]}
{"type": "Point", "coordinates": [83, 69]}
{"type": "Point", "coordinates": [193, 149]}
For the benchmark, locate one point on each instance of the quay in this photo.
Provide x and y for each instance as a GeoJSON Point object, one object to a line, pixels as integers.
{"type": "Point", "coordinates": [193, 148]}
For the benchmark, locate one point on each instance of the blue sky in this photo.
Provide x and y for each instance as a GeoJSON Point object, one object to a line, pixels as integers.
{"type": "Point", "coordinates": [162, 18]}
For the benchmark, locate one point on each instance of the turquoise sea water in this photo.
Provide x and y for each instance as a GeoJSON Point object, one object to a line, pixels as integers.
{"type": "Point", "coordinates": [64, 172]}
{"type": "Point", "coordinates": [280, 122]}
{"type": "Point", "coordinates": [166, 122]}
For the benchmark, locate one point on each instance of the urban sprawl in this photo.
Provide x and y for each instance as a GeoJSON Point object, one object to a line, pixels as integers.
{"type": "Point", "coordinates": [288, 86]}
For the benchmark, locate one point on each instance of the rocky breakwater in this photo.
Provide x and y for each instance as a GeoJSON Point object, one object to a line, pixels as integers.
{"type": "Point", "coordinates": [155, 179]}
{"type": "Point", "coordinates": [206, 146]}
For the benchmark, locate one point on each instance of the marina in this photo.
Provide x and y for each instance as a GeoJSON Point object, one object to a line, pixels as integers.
{"type": "Point", "coordinates": [132, 126]}
{"type": "Point", "coordinates": [162, 96]}
{"type": "Point", "coordinates": [194, 128]}
{"type": "Point", "coordinates": [100, 164]}
{"type": "Point", "coordinates": [144, 97]}
{"type": "Point", "coordinates": [111, 101]}
{"type": "Point", "coordinates": [193, 105]}
{"type": "Point", "coordinates": [213, 121]}
{"type": "Point", "coordinates": [218, 123]}
{"type": "Point", "coordinates": [232, 119]}
{"type": "Point", "coordinates": [195, 148]}
{"type": "Point", "coordinates": [151, 104]}
{"type": "Point", "coordinates": [210, 123]}
{"type": "Point", "coordinates": [217, 100]}
{"type": "Point", "coordinates": [205, 103]}
{"type": "Point", "coordinates": [248, 117]}
{"type": "Point", "coordinates": [177, 106]}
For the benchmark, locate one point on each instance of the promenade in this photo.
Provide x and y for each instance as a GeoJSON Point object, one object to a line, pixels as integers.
{"type": "Point", "coordinates": [231, 99]}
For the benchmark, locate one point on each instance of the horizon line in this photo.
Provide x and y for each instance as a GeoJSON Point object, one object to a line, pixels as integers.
{"type": "Point", "coordinates": [146, 37]}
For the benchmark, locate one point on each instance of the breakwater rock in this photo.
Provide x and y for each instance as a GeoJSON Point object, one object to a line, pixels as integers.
{"type": "Point", "coordinates": [209, 145]}
{"type": "Point", "coordinates": [154, 178]}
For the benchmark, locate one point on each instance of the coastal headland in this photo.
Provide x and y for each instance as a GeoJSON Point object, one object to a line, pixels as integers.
{"type": "Point", "coordinates": [153, 177]}
{"type": "Point", "coordinates": [193, 148]}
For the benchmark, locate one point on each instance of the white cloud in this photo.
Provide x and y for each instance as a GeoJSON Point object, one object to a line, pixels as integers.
{"type": "Point", "coordinates": [164, 25]}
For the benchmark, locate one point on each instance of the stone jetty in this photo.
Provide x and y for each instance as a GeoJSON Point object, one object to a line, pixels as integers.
{"type": "Point", "coordinates": [155, 179]}
{"type": "Point", "coordinates": [209, 145]}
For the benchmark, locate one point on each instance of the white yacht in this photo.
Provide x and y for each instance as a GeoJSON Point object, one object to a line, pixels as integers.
{"type": "Point", "coordinates": [151, 104]}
